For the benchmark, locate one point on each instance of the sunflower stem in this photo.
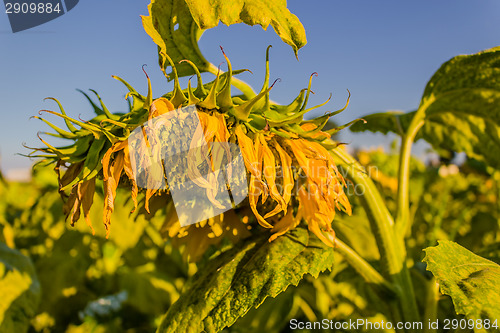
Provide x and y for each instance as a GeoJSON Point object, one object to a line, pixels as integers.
{"type": "Point", "coordinates": [403, 201]}
{"type": "Point", "coordinates": [363, 267]}
{"type": "Point", "coordinates": [391, 248]}
{"type": "Point", "coordinates": [431, 305]}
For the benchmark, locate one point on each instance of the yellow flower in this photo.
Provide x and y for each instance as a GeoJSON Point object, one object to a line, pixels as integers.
{"type": "Point", "coordinates": [320, 191]}
{"type": "Point", "coordinates": [292, 177]}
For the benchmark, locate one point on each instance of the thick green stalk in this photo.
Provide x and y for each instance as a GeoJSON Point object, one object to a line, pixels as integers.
{"type": "Point", "coordinates": [363, 267]}
{"type": "Point", "coordinates": [392, 250]}
{"type": "Point", "coordinates": [403, 196]}
{"type": "Point", "coordinates": [431, 305]}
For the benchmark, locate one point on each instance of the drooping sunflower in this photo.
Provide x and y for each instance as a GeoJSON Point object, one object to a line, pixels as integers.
{"type": "Point", "coordinates": [290, 174]}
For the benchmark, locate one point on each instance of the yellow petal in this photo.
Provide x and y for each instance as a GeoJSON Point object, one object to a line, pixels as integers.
{"type": "Point", "coordinates": [114, 171]}
{"type": "Point", "coordinates": [287, 222]}
{"type": "Point", "coordinates": [107, 156]}
{"type": "Point", "coordinates": [310, 127]}
{"type": "Point", "coordinates": [328, 239]}
{"type": "Point", "coordinates": [269, 169]}
{"type": "Point", "coordinates": [286, 170]}
{"type": "Point", "coordinates": [210, 125]}
{"type": "Point", "coordinates": [160, 106]}
{"type": "Point", "coordinates": [88, 190]}
{"type": "Point", "coordinates": [247, 150]}
{"type": "Point", "coordinates": [254, 191]}
{"type": "Point", "coordinates": [259, 153]}
{"type": "Point", "coordinates": [127, 167]}
{"type": "Point", "coordinates": [149, 194]}
{"type": "Point", "coordinates": [223, 133]}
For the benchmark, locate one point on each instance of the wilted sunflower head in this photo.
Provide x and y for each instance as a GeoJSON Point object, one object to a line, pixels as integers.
{"type": "Point", "coordinates": [288, 172]}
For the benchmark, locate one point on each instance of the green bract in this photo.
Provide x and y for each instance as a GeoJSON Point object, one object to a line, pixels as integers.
{"type": "Point", "coordinates": [93, 137]}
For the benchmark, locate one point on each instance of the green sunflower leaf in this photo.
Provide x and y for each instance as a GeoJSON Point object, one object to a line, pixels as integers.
{"type": "Point", "coordinates": [384, 122]}
{"type": "Point", "coordinates": [177, 25]}
{"type": "Point", "coordinates": [173, 29]}
{"type": "Point", "coordinates": [207, 14]}
{"type": "Point", "coordinates": [470, 280]}
{"type": "Point", "coordinates": [19, 290]}
{"type": "Point", "coordinates": [241, 278]}
{"type": "Point", "coordinates": [462, 108]}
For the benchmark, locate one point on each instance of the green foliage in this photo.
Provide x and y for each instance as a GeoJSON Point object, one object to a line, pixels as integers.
{"type": "Point", "coordinates": [385, 122]}
{"type": "Point", "coordinates": [456, 205]}
{"type": "Point", "coordinates": [177, 25]}
{"type": "Point", "coordinates": [471, 281]}
{"type": "Point", "coordinates": [462, 108]}
{"type": "Point", "coordinates": [19, 290]}
{"type": "Point", "coordinates": [243, 277]}
{"type": "Point", "coordinates": [459, 111]}
{"type": "Point", "coordinates": [270, 316]}
{"type": "Point", "coordinates": [78, 272]}
{"type": "Point", "coordinates": [173, 29]}
{"type": "Point", "coordinates": [207, 14]}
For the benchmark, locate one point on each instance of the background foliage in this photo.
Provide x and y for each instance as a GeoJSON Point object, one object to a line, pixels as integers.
{"type": "Point", "coordinates": [127, 283]}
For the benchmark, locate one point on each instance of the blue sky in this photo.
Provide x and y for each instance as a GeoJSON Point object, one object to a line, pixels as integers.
{"type": "Point", "coordinates": [384, 52]}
